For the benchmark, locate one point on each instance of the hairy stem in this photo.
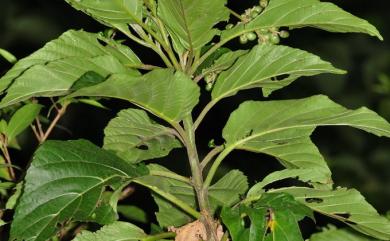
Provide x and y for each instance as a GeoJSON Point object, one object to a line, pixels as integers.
{"type": "Point", "coordinates": [60, 113]}
{"type": "Point", "coordinates": [211, 155]}
{"type": "Point", "coordinates": [203, 113]}
{"type": "Point", "coordinates": [215, 166]}
{"type": "Point", "coordinates": [7, 157]}
{"type": "Point", "coordinates": [171, 175]}
{"type": "Point", "coordinates": [197, 178]}
{"type": "Point", "coordinates": [184, 206]}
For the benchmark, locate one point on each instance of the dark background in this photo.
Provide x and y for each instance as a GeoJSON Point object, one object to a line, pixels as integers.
{"type": "Point", "coordinates": [358, 160]}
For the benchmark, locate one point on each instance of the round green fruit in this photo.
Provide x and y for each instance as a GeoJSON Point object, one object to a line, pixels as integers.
{"type": "Point", "coordinates": [251, 36]}
{"type": "Point", "coordinates": [243, 39]}
{"type": "Point", "coordinates": [229, 26]}
{"type": "Point", "coordinates": [284, 34]}
{"type": "Point", "coordinates": [275, 39]}
{"type": "Point", "coordinates": [263, 3]}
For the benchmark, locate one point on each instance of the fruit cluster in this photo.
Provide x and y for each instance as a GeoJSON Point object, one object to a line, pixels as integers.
{"type": "Point", "coordinates": [267, 35]}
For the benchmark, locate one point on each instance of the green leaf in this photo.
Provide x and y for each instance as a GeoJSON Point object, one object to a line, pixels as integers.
{"type": "Point", "coordinates": [225, 192]}
{"type": "Point", "coordinates": [305, 175]}
{"type": "Point", "coordinates": [133, 136]}
{"type": "Point", "coordinates": [88, 79]}
{"type": "Point", "coordinates": [209, 61]}
{"type": "Point", "coordinates": [190, 23]}
{"type": "Point", "coordinates": [13, 199]}
{"type": "Point", "coordinates": [113, 232]}
{"type": "Point", "coordinates": [111, 12]}
{"type": "Point", "coordinates": [4, 186]}
{"type": "Point", "coordinates": [346, 205]}
{"type": "Point", "coordinates": [282, 129]}
{"type": "Point", "coordinates": [8, 56]}
{"type": "Point", "coordinates": [226, 60]}
{"type": "Point", "coordinates": [3, 126]}
{"type": "Point", "coordinates": [273, 217]}
{"type": "Point", "coordinates": [169, 214]}
{"type": "Point", "coordinates": [335, 234]}
{"type": "Point", "coordinates": [52, 70]}
{"type": "Point", "coordinates": [265, 62]}
{"type": "Point", "coordinates": [304, 13]}
{"type": "Point", "coordinates": [133, 213]}
{"type": "Point", "coordinates": [70, 44]}
{"type": "Point", "coordinates": [311, 13]}
{"type": "Point", "coordinates": [66, 181]}
{"type": "Point", "coordinates": [4, 174]}
{"type": "Point", "coordinates": [168, 95]}
{"type": "Point", "coordinates": [22, 119]}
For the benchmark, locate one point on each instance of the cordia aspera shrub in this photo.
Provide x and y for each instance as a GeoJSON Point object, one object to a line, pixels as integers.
{"type": "Point", "coordinates": [71, 184]}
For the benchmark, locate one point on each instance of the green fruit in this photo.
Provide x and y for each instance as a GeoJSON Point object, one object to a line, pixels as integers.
{"type": "Point", "coordinates": [243, 39]}
{"type": "Point", "coordinates": [275, 39]}
{"type": "Point", "coordinates": [209, 86]}
{"type": "Point", "coordinates": [263, 3]}
{"type": "Point", "coordinates": [264, 31]}
{"type": "Point", "coordinates": [274, 29]}
{"type": "Point", "coordinates": [251, 36]}
{"type": "Point", "coordinates": [229, 26]}
{"type": "Point", "coordinates": [284, 34]}
{"type": "Point", "coordinates": [266, 37]}
{"type": "Point", "coordinates": [257, 9]}
{"type": "Point", "coordinates": [254, 14]}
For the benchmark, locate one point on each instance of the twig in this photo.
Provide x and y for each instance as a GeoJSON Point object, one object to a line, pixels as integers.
{"type": "Point", "coordinates": [7, 157]}
{"type": "Point", "coordinates": [211, 155]}
{"type": "Point", "coordinates": [60, 113]}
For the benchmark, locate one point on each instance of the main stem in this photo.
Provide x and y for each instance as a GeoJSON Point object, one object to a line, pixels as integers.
{"type": "Point", "coordinates": [197, 179]}
{"type": "Point", "coordinates": [196, 169]}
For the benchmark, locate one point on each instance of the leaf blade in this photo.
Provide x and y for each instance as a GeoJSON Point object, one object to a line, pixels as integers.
{"type": "Point", "coordinates": [113, 232]}
{"type": "Point", "coordinates": [190, 22]}
{"type": "Point", "coordinates": [134, 137]}
{"type": "Point", "coordinates": [168, 95]}
{"type": "Point", "coordinates": [51, 194]}
{"type": "Point", "coordinates": [274, 61]}
{"type": "Point", "coordinates": [22, 118]}
{"type": "Point", "coordinates": [282, 129]}
{"type": "Point", "coordinates": [346, 205]}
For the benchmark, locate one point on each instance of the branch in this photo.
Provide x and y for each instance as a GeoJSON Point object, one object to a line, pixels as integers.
{"type": "Point", "coordinates": [60, 113]}
{"type": "Point", "coordinates": [215, 165]}
{"type": "Point", "coordinates": [184, 206]}
{"type": "Point", "coordinates": [211, 155]}
{"type": "Point", "coordinates": [7, 157]}
{"type": "Point", "coordinates": [171, 175]}
{"type": "Point", "coordinates": [204, 112]}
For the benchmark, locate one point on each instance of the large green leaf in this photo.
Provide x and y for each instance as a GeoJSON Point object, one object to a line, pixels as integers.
{"type": "Point", "coordinates": [168, 95]}
{"type": "Point", "coordinates": [283, 128]}
{"type": "Point", "coordinates": [305, 13]}
{"type": "Point", "coordinates": [169, 214]}
{"type": "Point", "coordinates": [305, 175]}
{"type": "Point", "coordinates": [346, 205]}
{"type": "Point", "coordinates": [21, 120]}
{"type": "Point", "coordinates": [114, 232]}
{"type": "Point", "coordinates": [134, 137]}
{"type": "Point", "coordinates": [66, 181]}
{"type": "Point", "coordinates": [335, 234]}
{"type": "Point", "coordinates": [190, 23]}
{"type": "Point", "coordinates": [265, 62]}
{"type": "Point", "coordinates": [225, 192]}
{"type": "Point", "coordinates": [273, 217]}
{"type": "Point", "coordinates": [53, 69]}
{"type": "Point", "coordinates": [111, 12]}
